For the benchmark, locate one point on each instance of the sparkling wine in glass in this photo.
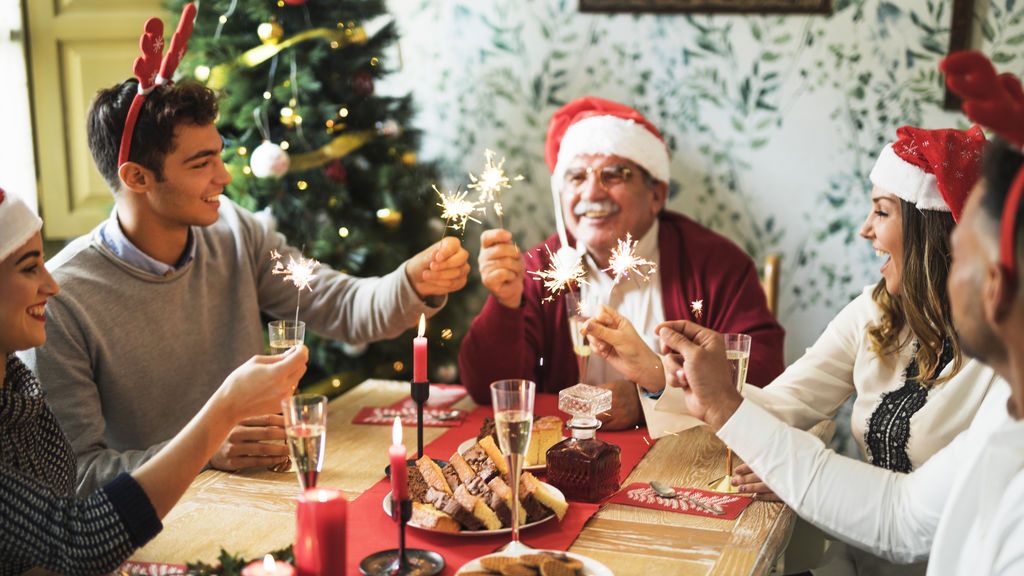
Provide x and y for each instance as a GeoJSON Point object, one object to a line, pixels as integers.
{"type": "Point", "coordinates": [513, 424]}
{"type": "Point", "coordinates": [579, 310]}
{"type": "Point", "coordinates": [737, 351]}
{"type": "Point", "coordinates": [284, 334]}
{"type": "Point", "coordinates": [305, 421]}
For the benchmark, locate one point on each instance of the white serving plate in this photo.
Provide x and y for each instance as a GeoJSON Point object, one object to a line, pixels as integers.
{"type": "Point", "coordinates": [590, 567]}
{"type": "Point", "coordinates": [386, 504]}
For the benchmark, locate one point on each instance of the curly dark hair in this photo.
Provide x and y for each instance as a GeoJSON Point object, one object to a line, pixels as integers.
{"type": "Point", "coordinates": [165, 107]}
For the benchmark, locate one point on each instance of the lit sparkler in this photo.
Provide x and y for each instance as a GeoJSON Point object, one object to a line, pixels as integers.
{"type": "Point", "coordinates": [298, 272]}
{"type": "Point", "coordinates": [697, 307]}
{"type": "Point", "coordinates": [566, 268]}
{"type": "Point", "coordinates": [624, 261]}
{"type": "Point", "coordinates": [491, 182]}
{"type": "Point", "coordinates": [456, 210]}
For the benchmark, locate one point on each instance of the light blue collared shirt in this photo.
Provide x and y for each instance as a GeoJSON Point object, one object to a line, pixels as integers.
{"type": "Point", "coordinates": [113, 237]}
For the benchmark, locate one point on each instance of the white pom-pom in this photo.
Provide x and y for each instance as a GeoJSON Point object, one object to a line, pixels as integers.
{"type": "Point", "coordinates": [269, 160]}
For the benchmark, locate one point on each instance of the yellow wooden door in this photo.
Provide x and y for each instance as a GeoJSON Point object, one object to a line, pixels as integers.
{"type": "Point", "coordinates": [76, 47]}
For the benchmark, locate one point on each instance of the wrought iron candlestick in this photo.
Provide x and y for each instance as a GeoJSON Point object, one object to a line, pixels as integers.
{"type": "Point", "coordinates": [420, 394]}
{"type": "Point", "coordinates": [403, 561]}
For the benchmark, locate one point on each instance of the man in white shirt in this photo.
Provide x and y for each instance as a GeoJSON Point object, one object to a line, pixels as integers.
{"type": "Point", "coordinates": [962, 509]}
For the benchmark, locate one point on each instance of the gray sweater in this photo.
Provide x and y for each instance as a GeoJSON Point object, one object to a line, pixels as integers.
{"type": "Point", "coordinates": [130, 356]}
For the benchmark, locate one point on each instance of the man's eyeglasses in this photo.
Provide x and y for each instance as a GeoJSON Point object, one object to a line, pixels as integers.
{"type": "Point", "coordinates": [607, 177]}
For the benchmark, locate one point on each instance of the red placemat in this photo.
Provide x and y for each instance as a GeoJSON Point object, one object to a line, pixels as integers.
{"type": "Point", "coordinates": [689, 501]}
{"type": "Point", "coordinates": [370, 530]}
{"type": "Point", "coordinates": [441, 396]}
{"type": "Point", "coordinates": [386, 417]}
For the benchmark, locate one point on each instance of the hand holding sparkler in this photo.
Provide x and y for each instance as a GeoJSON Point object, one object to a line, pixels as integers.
{"type": "Point", "coordinates": [613, 337]}
{"type": "Point", "coordinates": [501, 267]}
{"type": "Point", "coordinates": [440, 269]}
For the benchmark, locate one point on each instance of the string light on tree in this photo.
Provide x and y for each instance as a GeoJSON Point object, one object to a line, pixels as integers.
{"type": "Point", "coordinates": [270, 32]}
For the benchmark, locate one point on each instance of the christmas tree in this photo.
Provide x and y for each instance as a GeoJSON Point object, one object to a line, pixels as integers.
{"type": "Point", "coordinates": [307, 137]}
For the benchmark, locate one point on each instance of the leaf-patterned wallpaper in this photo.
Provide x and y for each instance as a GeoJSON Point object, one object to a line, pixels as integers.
{"type": "Point", "coordinates": [773, 121]}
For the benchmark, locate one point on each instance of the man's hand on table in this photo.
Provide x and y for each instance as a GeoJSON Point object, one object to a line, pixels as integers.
{"type": "Point", "coordinates": [626, 410]}
{"type": "Point", "coordinates": [695, 356]}
{"type": "Point", "coordinates": [254, 442]}
{"type": "Point", "coordinates": [615, 339]}
{"type": "Point", "coordinates": [747, 482]}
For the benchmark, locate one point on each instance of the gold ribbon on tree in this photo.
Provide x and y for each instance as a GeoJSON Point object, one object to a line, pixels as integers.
{"type": "Point", "coordinates": [336, 148]}
{"type": "Point", "coordinates": [264, 52]}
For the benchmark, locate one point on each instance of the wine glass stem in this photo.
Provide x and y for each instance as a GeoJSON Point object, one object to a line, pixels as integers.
{"type": "Point", "coordinates": [728, 463]}
{"type": "Point", "coordinates": [515, 467]}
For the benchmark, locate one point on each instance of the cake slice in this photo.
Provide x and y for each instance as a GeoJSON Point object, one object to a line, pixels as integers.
{"type": "Point", "coordinates": [451, 476]}
{"type": "Point", "coordinates": [547, 432]}
{"type": "Point", "coordinates": [504, 494]}
{"type": "Point", "coordinates": [432, 475]}
{"type": "Point", "coordinates": [417, 485]}
{"type": "Point", "coordinates": [492, 451]}
{"type": "Point", "coordinates": [429, 517]}
{"type": "Point", "coordinates": [462, 468]}
{"type": "Point", "coordinates": [447, 504]}
{"type": "Point", "coordinates": [528, 483]}
{"type": "Point", "coordinates": [479, 509]}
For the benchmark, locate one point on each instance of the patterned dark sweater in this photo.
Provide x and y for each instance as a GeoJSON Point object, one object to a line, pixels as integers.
{"type": "Point", "coordinates": [44, 524]}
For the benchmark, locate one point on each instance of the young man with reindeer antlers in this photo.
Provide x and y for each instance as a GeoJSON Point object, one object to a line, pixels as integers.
{"type": "Point", "coordinates": [962, 509]}
{"type": "Point", "coordinates": [163, 300]}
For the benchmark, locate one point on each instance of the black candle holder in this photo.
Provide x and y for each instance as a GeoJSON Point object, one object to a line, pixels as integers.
{"type": "Point", "coordinates": [402, 561]}
{"type": "Point", "coordinates": [420, 393]}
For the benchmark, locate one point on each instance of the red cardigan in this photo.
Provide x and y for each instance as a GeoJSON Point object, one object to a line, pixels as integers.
{"type": "Point", "coordinates": [533, 341]}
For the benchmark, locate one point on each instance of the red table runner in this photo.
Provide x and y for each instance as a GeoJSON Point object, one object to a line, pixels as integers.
{"type": "Point", "coordinates": [370, 530]}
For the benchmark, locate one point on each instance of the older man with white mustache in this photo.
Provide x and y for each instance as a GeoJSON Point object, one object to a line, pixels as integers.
{"type": "Point", "coordinates": [610, 172]}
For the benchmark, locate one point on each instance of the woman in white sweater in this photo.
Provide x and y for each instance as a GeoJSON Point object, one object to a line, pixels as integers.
{"type": "Point", "coordinates": [894, 346]}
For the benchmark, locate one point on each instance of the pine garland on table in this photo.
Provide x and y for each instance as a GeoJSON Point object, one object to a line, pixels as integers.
{"type": "Point", "coordinates": [232, 565]}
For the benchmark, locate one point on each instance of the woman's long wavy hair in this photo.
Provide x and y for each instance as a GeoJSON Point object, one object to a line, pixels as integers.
{"type": "Point", "coordinates": [922, 303]}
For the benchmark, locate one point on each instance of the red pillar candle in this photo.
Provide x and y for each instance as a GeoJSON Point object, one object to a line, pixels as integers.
{"type": "Point", "coordinates": [268, 567]}
{"type": "Point", "coordinates": [399, 474]}
{"type": "Point", "coordinates": [419, 353]}
{"type": "Point", "coordinates": [320, 533]}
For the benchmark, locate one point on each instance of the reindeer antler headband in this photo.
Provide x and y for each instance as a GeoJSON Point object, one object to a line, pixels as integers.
{"type": "Point", "coordinates": [153, 72]}
{"type": "Point", "coordinates": [996, 102]}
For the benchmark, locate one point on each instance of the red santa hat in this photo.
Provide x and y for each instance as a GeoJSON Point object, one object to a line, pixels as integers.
{"type": "Point", "coordinates": [931, 169]}
{"type": "Point", "coordinates": [17, 224]}
{"type": "Point", "coordinates": [592, 125]}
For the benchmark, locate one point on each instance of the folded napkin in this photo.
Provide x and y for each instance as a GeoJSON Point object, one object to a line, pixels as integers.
{"type": "Point", "coordinates": [151, 569]}
{"type": "Point", "coordinates": [690, 501]}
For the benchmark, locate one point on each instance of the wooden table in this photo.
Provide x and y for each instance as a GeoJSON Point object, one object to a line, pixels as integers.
{"type": "Point", "coordinates": [251, 513]}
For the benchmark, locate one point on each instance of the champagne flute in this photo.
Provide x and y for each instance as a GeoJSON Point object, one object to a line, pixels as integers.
{"type": "Point", "coordinates": [579, 310]}
{"type": "Point", "coordinates": [737, 351]}
{"type": "Point", "coordinates": [513, 423]}
{"type": "Point", "coordinates": [305, 424]}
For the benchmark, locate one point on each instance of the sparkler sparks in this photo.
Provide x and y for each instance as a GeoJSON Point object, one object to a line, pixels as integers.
{"type": "Point", "coordinates": [456, 210]}
{"type": "Point", "coordinates": [697, 307]}
{"type": "Point", "coordinates": [298, 272]}
{"type": "Point", "coordinates": [624, 261]}
{"type": "Point", "coordinates": [566, 268]}
{"type": "Point", "coordinates": [492, 179]}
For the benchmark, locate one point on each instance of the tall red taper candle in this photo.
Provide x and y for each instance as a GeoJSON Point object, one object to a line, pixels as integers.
{"type": "Point", "coordinates": [399, 474]}
{"type": "Point", "coordinates": [419, 353]}
{"type": "Point", "coordinates": [320, 533]}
